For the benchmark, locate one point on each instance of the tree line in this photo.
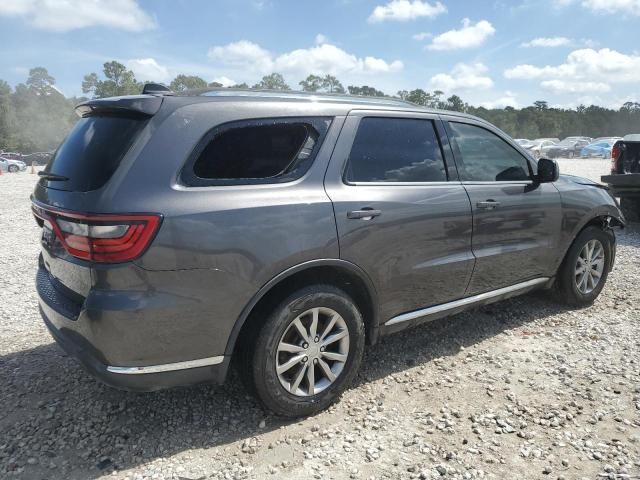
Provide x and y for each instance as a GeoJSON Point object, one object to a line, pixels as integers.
{"type": "Point", "coordinates": [35, 116]}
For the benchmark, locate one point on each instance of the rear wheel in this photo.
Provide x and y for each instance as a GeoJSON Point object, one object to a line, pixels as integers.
{"type": "Point", "coordinates": [308, 351]}
{"type": "Point", "coordinates": [584, 271]}
{"type": "Point", "coordinates": [570, 154]}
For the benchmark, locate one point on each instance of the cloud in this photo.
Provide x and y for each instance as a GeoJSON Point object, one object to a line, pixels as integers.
{"type": "Point", "coordinates": [563, 86]}
{"type": "Point", "coordinates": [149, 69]}
{"type": "Point", "coordinates": [421, 35]}
{"type": "Point", "coordinates": [463, 77]}
{"type": "Point", "coordinates": [585, 65]}
{"type": "Point", "coordinates": [507, 100]}
{"type": "Point", "coordinates": [405, 10]}
{"type": "Point", "coordinates": [468, 36]}
{"type": "Point", "coordinates": [547, 42]}
{"type": "Point", "coordinates": [63, 16]}
{"type": "Point", "coordinates": [607, 6]}
{"type": "Point", "coordinates": [224, 81]}
{"type": "Point", "coordinates": [320, 39]}
{"type": "Point", "coordinates": [323, 58]}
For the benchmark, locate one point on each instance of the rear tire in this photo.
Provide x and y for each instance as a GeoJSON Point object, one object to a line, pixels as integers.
{"type": "Point", "coordinates": [585, 268]}
{"type": "Point", "coordinates": [298, 369]}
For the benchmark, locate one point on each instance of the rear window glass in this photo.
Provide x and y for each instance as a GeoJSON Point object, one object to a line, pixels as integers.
{"type": "Point", "coordinates": [91, 153]}
{"type": "Point", "coordinates": [257, 151]}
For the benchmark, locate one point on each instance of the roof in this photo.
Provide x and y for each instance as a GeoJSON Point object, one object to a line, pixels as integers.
{"type": "Point", "coordinates": [356, 101]}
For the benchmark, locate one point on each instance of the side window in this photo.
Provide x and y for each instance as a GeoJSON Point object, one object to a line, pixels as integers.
{"type": "Point", "coordinates": [485, 157]}
{"type": "Point", "coordinates": [256, 151]}
{"type": "Point", "coordinates": [395, 150]}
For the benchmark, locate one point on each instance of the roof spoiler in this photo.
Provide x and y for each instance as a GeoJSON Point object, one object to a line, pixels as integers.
{"type": "Point", "coordinates": [143, 105]}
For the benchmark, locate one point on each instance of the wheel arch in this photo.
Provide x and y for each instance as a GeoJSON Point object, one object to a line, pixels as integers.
{"type": "Point", "coordinates": [340, 273]}
{"type": "Point", "coordinates": [604, 218]}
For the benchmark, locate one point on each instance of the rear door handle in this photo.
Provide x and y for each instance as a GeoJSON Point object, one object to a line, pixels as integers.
{"type": "Point", "coordinates": [364, 214]}
{"type": "Point", "coordinates": [488, 205]}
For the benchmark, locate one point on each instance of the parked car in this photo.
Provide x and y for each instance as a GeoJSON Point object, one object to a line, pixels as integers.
{"type": "Point", "coordinates": [599, 149]}
{"type": "Point", "coordinates": [523, 142]}
{"type": "Point", "coordinates": [11, 155]}
{"type": "Point", "coordinates": [610, 140]}
{"type": "Point", "coordinates": [566, 148]}
{"type": "Point", "coordinates": [286, 231]}
{"type": "Point", "coordinates": [537, 146]}
{"type": "Point", "coordinates": [41, 158]}
{"type": "Point", "coordinates": [15, 165]}
{"type": "Point", "coordinates": [624, 180]}
{"type": "Point", "coordinates": [4, 165]}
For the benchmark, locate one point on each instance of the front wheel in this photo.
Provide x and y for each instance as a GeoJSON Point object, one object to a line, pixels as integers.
{"type": "Point", "coordinates": [13, 168]}
{"type": "Point", "coordinates": [584, 271]}
{"type": "Point", "coordinates": [308, 351]}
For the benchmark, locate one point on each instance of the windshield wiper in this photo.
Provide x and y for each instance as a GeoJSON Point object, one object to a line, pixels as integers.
{"type": "Point", "coordinates": [53, 177]}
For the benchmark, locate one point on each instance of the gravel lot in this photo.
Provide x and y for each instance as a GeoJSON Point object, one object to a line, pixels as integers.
{"type": "Point", "coordinates": [522, 389]}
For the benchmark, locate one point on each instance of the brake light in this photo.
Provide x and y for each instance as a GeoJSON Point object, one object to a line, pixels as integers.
{"type": "Point", "coordinates": [615, 154]}
{"type": "Point", "coordinates": [101, 238]}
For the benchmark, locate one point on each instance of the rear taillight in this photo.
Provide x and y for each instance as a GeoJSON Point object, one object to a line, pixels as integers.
{"type": "Point", "coordinates": [615, 155]}
{"type": "Point", "coordinates": [101, 238]}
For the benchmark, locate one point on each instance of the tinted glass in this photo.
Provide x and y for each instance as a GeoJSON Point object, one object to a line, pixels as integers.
{"type": "Point", "coordinates": [256, 151]}
{"type": "Point", "coordinates": [91, 153]}
{"type": "Point", "coordinates": [395, 150]}
{"type": "Point", "coordinates": [485, 156]}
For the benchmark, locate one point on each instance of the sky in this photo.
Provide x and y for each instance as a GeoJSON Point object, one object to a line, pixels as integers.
{"type": "Point", "coordinates": [490, 53]}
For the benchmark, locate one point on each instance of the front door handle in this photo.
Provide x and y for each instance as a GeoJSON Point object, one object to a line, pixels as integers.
{"type": "Point", "coordinates": [364, 214]}
{"type": "Point", "coordinates": [488, 205]}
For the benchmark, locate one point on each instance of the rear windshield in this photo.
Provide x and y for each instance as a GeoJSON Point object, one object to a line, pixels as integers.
{"type": "Point", "coordinates": [92, 152]}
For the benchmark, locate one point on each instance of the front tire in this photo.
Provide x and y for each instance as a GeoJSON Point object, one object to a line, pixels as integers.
{"type": "Point", "coordinates": [584, 271]}
{"type": "Point", "coordinates": [308, 351]}
{"type": "Point", "coordinates": [13, 168]}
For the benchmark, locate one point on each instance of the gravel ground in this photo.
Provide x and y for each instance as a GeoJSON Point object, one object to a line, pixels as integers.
{"type": "Point", "coordinates": [522, 389]}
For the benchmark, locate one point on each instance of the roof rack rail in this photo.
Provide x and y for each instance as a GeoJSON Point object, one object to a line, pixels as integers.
{"type": "Point", "coordinates": [156, 89]}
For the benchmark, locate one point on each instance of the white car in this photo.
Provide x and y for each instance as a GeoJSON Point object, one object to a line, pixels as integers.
{"type": "Point", "coordinates": [13, 165]}
{"type": "Point", "coordinates": [538, 147]}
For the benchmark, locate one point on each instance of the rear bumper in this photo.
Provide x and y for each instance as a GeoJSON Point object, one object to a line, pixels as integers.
{"type": "Point", "coordinates": [77, 339]}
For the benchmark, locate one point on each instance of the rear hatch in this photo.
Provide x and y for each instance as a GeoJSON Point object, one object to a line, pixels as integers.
{"type": "Point", "coordinates": [74, 238]}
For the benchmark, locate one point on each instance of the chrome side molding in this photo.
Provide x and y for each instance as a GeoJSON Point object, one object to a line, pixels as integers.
{"type": "Point", "coordinates": [443, 307]}
{"type": "Point", "coordinates": [167, 367]}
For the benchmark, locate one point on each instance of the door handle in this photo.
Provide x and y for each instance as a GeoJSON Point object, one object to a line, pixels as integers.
{"type": "Point", "coordinates": [364, 214]}
{"type": "Point", "coordinates": [488, 204]}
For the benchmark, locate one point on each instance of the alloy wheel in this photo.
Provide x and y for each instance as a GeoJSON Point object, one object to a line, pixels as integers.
{"type": "Point", "coordinates": [312, 352]}
{"type": "Point", "coordinates": [589, 266]}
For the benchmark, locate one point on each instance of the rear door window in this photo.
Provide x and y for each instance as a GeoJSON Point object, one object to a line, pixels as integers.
{"type": "Point", "coordinates": [482, 156]}
{"type": "Point", "coordinates": [256, 151]}
{"type": "Point", "coordinates": [395, 150]}
{"type": "Point", "coordinates": [92, 152]}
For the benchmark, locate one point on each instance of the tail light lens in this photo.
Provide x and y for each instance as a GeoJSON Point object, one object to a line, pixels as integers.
{"type": "Point", "coordinates": [101, 238]}
{"type": "Point", "coordinates": [615, 155]}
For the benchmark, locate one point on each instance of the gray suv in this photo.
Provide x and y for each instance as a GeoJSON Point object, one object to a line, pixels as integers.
{"type": "Point", "coordinates": [286, 231]}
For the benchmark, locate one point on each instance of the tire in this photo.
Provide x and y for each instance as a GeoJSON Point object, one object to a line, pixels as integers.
{"type": "Point", "coordinates": [279, 392]}
{"type": "Point", "coordinates": [570, 155]}
{"type": "Point", "coordinates": [13, 168]}
{"type": "Point", "coordinates": [630, 207]}
{"type": "Point", "coordinates": [570, 288]}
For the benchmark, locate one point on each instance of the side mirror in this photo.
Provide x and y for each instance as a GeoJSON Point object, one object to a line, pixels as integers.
{"type": "Point", "coordinates": [548, 170]}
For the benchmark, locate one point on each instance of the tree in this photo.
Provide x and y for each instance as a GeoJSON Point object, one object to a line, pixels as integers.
{"type": "Point", "coordinates": [455, 103]}
{"type": "Point", "coordinates": [364, 91]}
{"type": "Point", "coordinates": [418, 96]}
{"type": "Point", "coordinates": [312, 83]}
{"type": "Point", "coordinates": [118, 81]}
{"type": "Point", "coordinates": [40, 82]}
{"type": "Point", "coordinates": [274, 81]}
{"type": "Point", "coordinates": [332, 85]}
{"type": "Point", "coordinates": [187, 82]}
{"type": "Point", "coordinates": [540, 105]}
{"type": "Point", "coordinates": [242, 85]}
{"type": "Point", "coordinates": [215, 85]}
